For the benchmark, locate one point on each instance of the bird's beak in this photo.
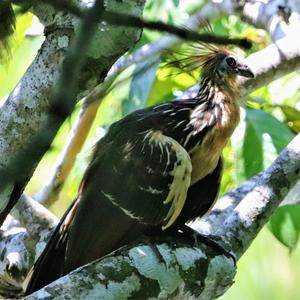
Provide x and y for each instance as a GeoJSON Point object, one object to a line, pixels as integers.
{"type": "Point", "coordinates": [243, 70]}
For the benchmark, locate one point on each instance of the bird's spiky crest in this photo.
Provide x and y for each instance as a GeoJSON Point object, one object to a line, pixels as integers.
{"type": "Point", "coordinates": [198, 56]}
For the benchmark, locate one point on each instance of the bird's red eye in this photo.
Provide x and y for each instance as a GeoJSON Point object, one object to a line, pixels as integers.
{"type": "Point", "coordinates": [231, 62]}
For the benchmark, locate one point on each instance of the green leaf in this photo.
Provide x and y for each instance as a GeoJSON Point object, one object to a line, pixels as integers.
{"type": "Point", "coordinates": [176, 3]}
{"type": "Point", "coordinates": [291, 113]}
{"type": "Point", "coordinates": [167, 83]}
{"type": "Point", "coordinates": [292, 116]}
{"type": "Point", "coordinates": [142, 80]}
{"type": "Point", "coordinates": [285, 225]}
{"type": "Point", "coordinates": [265, 137]}
{"type": "Point", "coordinates": [252, 151]}
{"type": "Point", "coordinates": [23, 51]}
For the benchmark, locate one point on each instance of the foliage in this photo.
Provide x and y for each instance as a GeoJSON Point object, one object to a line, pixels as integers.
{"type": "Point", "coordinates": [285, 225]}
{"type": "Point", "coordinates": [270, 116]}
{"type": "Point", "coordinates": [23, 48]}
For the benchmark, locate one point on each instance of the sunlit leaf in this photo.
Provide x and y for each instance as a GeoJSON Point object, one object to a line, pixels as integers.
{"type": "Point", "coordinates": [292, 116]}
{"type": "Point", "coordinates": [291, 113]}
{"type": "Point", "coordinates": [23, 51]}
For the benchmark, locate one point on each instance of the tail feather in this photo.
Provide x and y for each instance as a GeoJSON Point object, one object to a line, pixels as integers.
{"type": "Point", "coordinates": [50, 263]}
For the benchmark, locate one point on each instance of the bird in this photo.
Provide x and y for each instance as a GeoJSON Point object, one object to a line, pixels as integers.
{"type": "Point", "coordinates": [155, 170]}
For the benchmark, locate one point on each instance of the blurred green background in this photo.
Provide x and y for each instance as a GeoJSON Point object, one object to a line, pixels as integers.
{"type": "Point", "coordinates": [270, 269]}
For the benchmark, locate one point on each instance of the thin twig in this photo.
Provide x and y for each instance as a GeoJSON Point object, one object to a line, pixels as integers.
{"type": "Point", "coordinates": [186, 34]}
{"type": "Point", "coordinates": [122, 19]}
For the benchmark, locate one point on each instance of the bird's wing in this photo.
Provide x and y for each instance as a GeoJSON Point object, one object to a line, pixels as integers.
{"type": "Point", "coordinates": [133, 182]}
{"type": "Point", "coordinates": [146, 175]}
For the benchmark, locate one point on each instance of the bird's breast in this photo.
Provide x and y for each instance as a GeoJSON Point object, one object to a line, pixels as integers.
{"type": "Point", "coordinates": [205, 156]}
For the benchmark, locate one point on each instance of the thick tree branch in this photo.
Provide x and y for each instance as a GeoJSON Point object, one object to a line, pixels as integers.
{"type": "Point", "coordinates": [62, 102]}
{"type": "Point", "coordinates": [137, 273]}
{"type": "Point", "coordinates": [256, 207]}
{"type": "Point", "coordinates": [20, 247]}
{"type": "Point", "coordinates": [239, 215]}
{"type": "Point", "coordinates": [273, 62]}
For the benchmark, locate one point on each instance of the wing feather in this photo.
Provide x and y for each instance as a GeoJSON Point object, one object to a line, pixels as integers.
{"type": "Point", "coordinates": [147, 176]}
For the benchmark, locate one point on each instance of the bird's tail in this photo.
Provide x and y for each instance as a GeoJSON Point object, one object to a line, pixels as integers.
{"type": "Point", "coordinates": [49, 266]}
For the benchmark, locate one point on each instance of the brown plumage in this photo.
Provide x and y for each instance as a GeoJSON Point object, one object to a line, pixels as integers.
{"type": "Point", "coordinates": [155, 169]}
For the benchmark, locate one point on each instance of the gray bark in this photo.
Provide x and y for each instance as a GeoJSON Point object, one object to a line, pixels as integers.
{"type": "Point", "coordinates": [20, 247]}
{"type": "Point", "coordinates": [185, 273]}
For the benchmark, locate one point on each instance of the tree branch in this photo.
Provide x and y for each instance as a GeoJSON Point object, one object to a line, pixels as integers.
{"type": "Point", "coordinates": [136, 273]}
{"type": "Point", "coordinates": [20, 247]}
{"type": "Point", "coordinates": [62, 103]}
{"type": "Point", "coordinates": [239, 215]}
{"type": "Point", "coordinates": [124, 19]}
{"type": "Point", "coordinates": [279, 18]}
{"type": "Point", "coordinates": [257, 206]}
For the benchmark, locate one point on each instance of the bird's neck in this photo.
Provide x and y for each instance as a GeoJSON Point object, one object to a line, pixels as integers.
{"type": "Point", "coordinates": [214, 86]}
{"type": "Point", "coordinates": [216, 104]}
{"type": "Point", "coordinates": [216, 114]}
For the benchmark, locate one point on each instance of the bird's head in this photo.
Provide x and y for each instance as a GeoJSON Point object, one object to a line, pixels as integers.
{"type": "Point", "coordinates": [231, 65]}
{"type": "Point", "coordinates": [217, 64]}
{"type": "Point", "coordinates": [220, 65]}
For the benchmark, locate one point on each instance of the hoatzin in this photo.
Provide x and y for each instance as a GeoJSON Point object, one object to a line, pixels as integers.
{"type": "Point", "coordinates": [157, 168]}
